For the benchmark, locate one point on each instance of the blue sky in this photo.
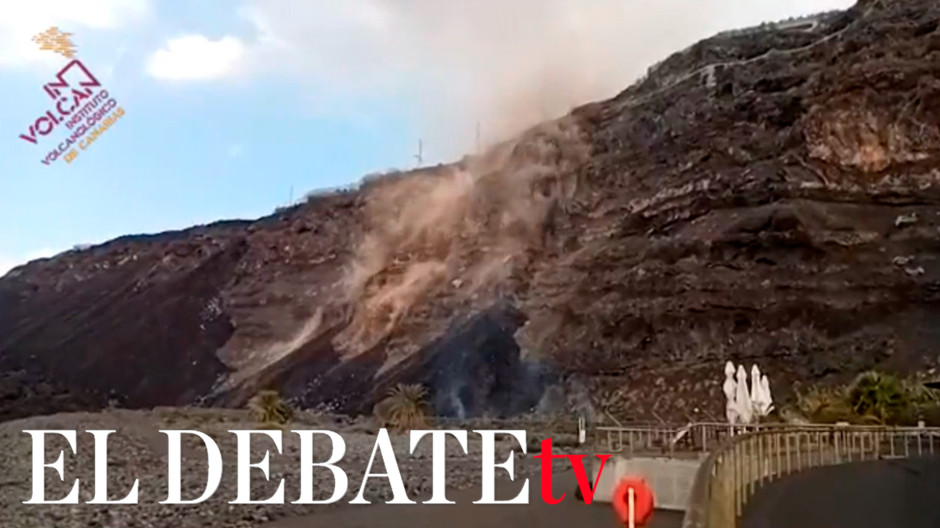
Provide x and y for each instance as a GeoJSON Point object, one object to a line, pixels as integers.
{"type": "Point", "coordinates": [231, 104]}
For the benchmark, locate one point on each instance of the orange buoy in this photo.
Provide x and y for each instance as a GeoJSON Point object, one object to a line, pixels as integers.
{"type": "Point", "coordinates": [636, 491]}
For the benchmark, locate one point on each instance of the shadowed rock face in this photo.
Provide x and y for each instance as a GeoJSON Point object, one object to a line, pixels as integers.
{"type": "Point", "coordinates": [765, 196]}
{"type": "Point", "coordinates": [475, 369]}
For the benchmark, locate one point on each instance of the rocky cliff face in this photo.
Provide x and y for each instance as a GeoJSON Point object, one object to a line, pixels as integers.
{"type": "Point", "coordinates": [767, 196]}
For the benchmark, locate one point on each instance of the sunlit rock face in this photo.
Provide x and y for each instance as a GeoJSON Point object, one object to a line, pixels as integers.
{"type": "Point", "coordinates": [767, 196]}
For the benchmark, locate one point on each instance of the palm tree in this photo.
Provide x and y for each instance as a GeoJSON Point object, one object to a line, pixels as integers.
{"type": "Point", "coordinates": [406, 406]}
{"type": "Point", "coordinates": [878, 396]}
{"type": "Point", "coordinates": [269, 408]}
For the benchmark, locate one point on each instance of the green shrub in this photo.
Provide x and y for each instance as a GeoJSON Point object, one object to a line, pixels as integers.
{"type": "Point", "coordinates": [873, 398]}
{"type": "Point", "coordinates": [611, 403]}
{"type": "Point", "coordinates": [404, 408]}
{"type": "Point", "coordinates": [268, 408]}
{"type": "Point", "coordinates": [878, 397]}
{"type": "Point", "coordinates": [824, 405]}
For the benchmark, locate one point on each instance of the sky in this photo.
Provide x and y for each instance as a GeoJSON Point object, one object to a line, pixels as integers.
{"type": "Point", "coordinates": [235, 107]}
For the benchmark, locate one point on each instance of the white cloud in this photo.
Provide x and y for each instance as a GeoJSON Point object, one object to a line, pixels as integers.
{"type": "Point", "coordinates": [196, 57]}
{"type": "Point", "coordinates": [21, 20]}
{"type": "Point", "coordinates": [8, 262]}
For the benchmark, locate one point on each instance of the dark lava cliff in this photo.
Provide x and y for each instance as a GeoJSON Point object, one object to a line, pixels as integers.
{"type": "Point", "coordinates": [768, 195]}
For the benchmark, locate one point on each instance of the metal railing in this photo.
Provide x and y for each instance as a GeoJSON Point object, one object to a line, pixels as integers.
{"type": "Point", "coordinates": [732, 474]}
{"type": "Point", "coordinates": [701, 437]}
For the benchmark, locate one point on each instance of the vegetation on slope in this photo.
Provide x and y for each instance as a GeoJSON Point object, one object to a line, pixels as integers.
{"type": "Point", "coordinates": [872, 398]}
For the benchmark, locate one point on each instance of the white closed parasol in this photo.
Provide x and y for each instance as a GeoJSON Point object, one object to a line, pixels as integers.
{"type": "Point", "coordinates": [767, 399]}
{"type": "Point", "coordinates": [756, 395]}
{"type": "Point", "coordinates": [729, 389]}
{"type": "Point", "coordinates": [742, 400]}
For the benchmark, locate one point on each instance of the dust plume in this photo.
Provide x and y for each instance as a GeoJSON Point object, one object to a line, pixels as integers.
{"type": "Point", "coordinates": [459, 231]}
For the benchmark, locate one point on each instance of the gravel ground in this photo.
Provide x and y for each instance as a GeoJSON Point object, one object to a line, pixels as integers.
{"type": "Point", "coordinates": [138, 450]}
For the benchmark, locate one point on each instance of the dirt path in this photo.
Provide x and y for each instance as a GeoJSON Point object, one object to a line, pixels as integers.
{"type": "Point", "coordinates": [571, 513]}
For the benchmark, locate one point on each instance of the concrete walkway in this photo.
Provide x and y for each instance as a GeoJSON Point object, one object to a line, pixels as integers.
{"type": "Point", "coordinates": [570, 513]}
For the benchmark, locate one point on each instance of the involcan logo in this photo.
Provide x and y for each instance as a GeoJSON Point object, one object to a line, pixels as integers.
{"type": "Point", "coordinates": [79, 102]}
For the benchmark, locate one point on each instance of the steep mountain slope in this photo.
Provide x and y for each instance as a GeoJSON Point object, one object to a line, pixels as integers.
{"type": "Point", "coordinates": [767, 195]}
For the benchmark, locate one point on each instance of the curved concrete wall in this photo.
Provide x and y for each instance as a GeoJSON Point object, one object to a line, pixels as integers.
{"type": "Point", "coordinates": [670, 478]}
